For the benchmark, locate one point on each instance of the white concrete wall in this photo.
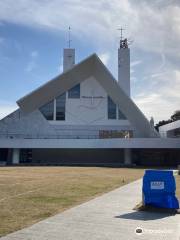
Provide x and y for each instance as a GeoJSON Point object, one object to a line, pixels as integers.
{"type": "Point", "coordinates": [16, 156]}
{"type": "Point", "coordinates": [84, 118]}
{"type": "Point", "coordinates": [124, 69]}
{"type": "Point", "coordinates": [168, 127]}
{"type": "Point", "coordinates": [85, 111]}
{"type": "Point", "coordinates": [151, 143]}
{"type": "Point", "coordinates": [68, 58]}
{"type": "Point", "coordinates": [34, 125]}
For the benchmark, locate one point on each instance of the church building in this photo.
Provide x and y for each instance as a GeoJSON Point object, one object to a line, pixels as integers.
{"type": "Point", "coordinates": [84, 116]}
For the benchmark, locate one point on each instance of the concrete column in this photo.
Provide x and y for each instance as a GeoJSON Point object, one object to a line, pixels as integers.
{"type": "Point", "coordinates": [124, 69]}
{"type": "Point", "coordinates": [68, 58]}
{"type": "Point", "coordinates": [15, 156]}
{"type": "Point", "coordinates": [127, 156]}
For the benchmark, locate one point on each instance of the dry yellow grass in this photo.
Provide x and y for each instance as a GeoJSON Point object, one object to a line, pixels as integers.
{"type": "Point", "coordinates": [30, 194]}
{"type": "Point", "coordinates": [178, 187]}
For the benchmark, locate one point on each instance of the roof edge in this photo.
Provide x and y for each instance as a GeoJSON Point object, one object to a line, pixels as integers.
{"type": "Point", "coordinates": [63, 73]}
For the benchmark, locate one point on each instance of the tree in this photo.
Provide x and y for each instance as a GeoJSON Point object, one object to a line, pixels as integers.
{"type": "Point", "coordinates": [176, 116]}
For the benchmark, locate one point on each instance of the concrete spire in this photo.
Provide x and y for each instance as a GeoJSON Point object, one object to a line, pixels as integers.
{"type": "Point", "coordinates": [124, 66]}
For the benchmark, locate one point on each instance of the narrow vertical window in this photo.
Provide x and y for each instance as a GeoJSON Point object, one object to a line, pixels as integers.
{"type": "Point", "coordinates": [111, 109]}
{"type": "Point", "coordinates": [48, 110]}
{"type": "Point", "coordinates": [60, 107]}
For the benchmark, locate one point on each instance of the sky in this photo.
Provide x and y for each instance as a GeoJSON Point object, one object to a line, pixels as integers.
{"type": "Point", "coordinates": [33, 34]}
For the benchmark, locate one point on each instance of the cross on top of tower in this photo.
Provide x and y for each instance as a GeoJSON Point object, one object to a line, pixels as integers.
{"type": "Point", "coordinates": [121, 30]}
{"type": "Point", "coordinates": [123, 42]}
{"type": "Point", "coordinates": [69, 37]}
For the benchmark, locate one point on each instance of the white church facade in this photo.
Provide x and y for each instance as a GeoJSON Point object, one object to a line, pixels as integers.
{"type": "Point", "coordinates": [84, 116]}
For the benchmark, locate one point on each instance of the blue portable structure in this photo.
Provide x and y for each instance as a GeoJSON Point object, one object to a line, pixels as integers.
{"type": "Point", "coordinates": [159, 189]}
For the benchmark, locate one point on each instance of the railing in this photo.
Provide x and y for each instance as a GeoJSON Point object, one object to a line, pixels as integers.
{"type": "Point", "coordinates": [43, 136]}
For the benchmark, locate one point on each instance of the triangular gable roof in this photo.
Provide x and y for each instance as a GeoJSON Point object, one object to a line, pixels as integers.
{"type": "Point", "coordinates": [91, 66]}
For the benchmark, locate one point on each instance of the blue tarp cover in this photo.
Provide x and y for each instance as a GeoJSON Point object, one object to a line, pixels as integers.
{"type": "Point", "coordinates": [159, 189]}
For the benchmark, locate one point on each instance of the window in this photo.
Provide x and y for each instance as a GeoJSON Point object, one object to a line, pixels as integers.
{"type": "Point", "coordinates": [115, 134]}
{"type": "Point", "coordinates": [60, 107]}
{"type": "Point", "coordinates": [26, 156]}
{"type": "Point", "coordinates": [48, 110]}
{"type": "Point", "coordinates": [111, 109]}
{"type": "Point", "coordinates": [55, 110]}
{"type": "Point", "coordinates": [121, 115]}
{"type": "Point", "coordinates": [74, 92]}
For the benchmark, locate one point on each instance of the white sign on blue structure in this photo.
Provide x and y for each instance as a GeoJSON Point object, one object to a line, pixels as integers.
{"type": "Point", "coordinates": [157, 185]}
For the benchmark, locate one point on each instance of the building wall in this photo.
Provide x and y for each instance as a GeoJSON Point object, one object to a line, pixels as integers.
{"type": "Point", "coordinates": [94, 157]}
{"type": "Point", "coordinates": [18, 123]}
{"type": "Point", "coordinates": [84, 118]}
{"type": "Point", "coordinates": [124, 69]}
{"type": "Point", "coordinates": [170, 129]}
{"type": "Point", "coordinates": [34, 125]}
{"type": "Point", "coordinates": [106, 157]}
{"type": "Point", "coordinates": [156, 157]}
{"type": "Point", "coordinates": [87, 110]}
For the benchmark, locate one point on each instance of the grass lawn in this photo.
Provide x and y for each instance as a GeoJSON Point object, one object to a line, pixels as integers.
{"type": "Point", "coordinates": [30, 194]}
{"type": "Point", "coordinates": [178, 187]}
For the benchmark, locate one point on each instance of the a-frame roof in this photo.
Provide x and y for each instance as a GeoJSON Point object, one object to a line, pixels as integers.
{"type": "Point", "coordinates": [91, 66]}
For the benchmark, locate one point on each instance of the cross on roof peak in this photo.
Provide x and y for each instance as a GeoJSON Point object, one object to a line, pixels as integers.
{"type": "Point", "coordinates": [69, 37]}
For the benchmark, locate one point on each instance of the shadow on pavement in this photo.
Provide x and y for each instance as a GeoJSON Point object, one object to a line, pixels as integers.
{"type": "Point", "coordinates": [144, 216]}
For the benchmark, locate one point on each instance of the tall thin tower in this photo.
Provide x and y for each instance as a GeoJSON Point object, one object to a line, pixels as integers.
{"type": "Point", "coordinates": [124, 65]}
{"type": "Point", "coordinates": [68, 54]}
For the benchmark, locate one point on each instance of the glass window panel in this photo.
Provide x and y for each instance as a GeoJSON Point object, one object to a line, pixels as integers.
{"type": "Point", "coordinates": [121, 115]}
{"type": "Point", "coordinates": [48, 110]}
{"type": "Point", "coordinates": [111, 109]}
{"type": "Point", "coordinates": [74, 92]}
{"type": "Point", "coordinates": [60, 107]}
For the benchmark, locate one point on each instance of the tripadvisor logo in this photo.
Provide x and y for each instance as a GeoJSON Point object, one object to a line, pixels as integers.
{"type": "Point", "coordinates": [138, 231]}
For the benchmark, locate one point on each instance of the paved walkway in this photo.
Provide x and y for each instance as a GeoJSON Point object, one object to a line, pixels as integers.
{"type": "Point", "coordinates": [109, 217]}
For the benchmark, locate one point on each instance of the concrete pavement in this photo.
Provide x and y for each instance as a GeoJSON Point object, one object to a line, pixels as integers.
{"type": "Point", "coordinates": [108, 217]}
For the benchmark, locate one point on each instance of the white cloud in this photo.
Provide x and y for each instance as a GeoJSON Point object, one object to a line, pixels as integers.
{"type": "Point", "coordinates": [1, 40]}
{"type": "Point", "coordinates": [32, 63]}
{"type": "Point", "coordinates": [135, 63]}
{"type": "Point", "coordinates": [6, 108]}
{"type": "Point", "coordinates": [138, 17]}
{"type": "Point", "coordinates": [34, 54]}
{"type": "Point", "coordinates": [60, 69]}
{"type": "Point", "coordinates": [155, 75]}
{"type": "Point", "coordinates": [164, 100]}
{"type": "Point", "coordinates": [104, 57]}
{"type": "Point", "coordinates": [154, 27]}
{"type": "Point", "coordinates": [132, 68]}
{"type": "Point", "coordinates": [30, 66]}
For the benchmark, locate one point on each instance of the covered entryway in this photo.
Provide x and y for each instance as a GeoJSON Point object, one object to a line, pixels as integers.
{"type": "Point", "coordinates": [78, 157]}
{"type": "Point", "coordinates": [4, 153]}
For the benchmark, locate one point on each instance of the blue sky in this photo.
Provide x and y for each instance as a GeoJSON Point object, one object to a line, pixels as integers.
{"type": "Point", "coordinates": [33, 34]}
